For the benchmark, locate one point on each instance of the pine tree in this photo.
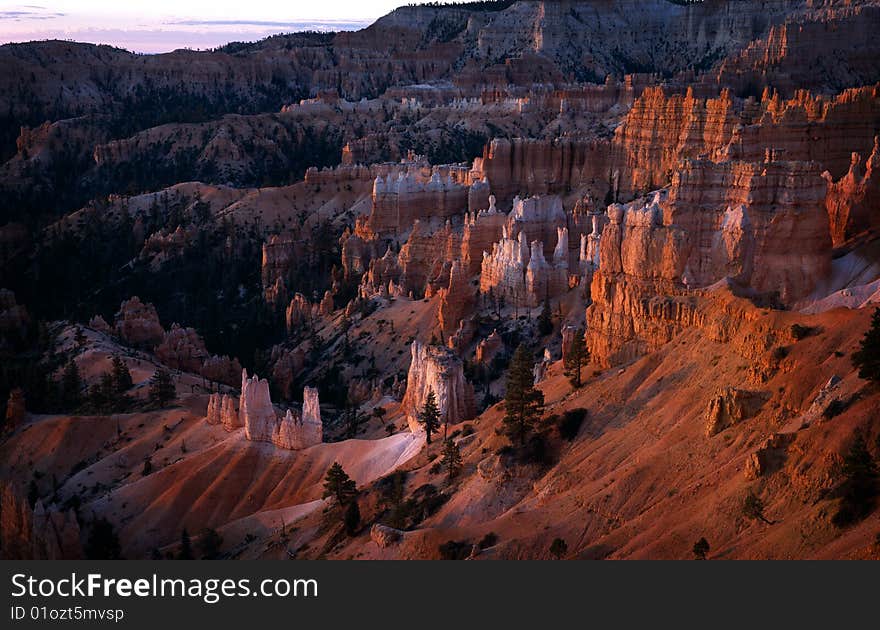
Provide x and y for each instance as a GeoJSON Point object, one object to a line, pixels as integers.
{"type": "Point", "coordinates": [162, 389]}
{"type": "Point", "coordinates": [209, 543]}
{"type": "Point", "coordinates": [576, 359]}
{"type": "Point", "coordinates": [352, 518]}
{"type": "Point", "coordinates": [451, 458]}
{"type": "Point", "coordinates": [523, 404]}
{"type": "Point", "coordinates": [867, 358]}
{"type": "Point", "coordinates": [338, 485]}
{"type": "Point", "coordinates": [545, 319]}
{"type": "Point", "coordinates": [753, 508]}
{"type": "Point", "coordinates": [185, 552]}
{"type": "Point", "coordinates": [121, 376]}
{"type": "Point", "coordinates": [701, 549]}
{"type": "Point", "coordinates": [558, 548]}
{"type": "Point", "coordinates": [429, 416]}
{"type": "Point", "coordinates": [71, 384]}
{"type": "Point", "coordinates": [33, 493]}
{"type": "Point", "coordinates": [860, 485]}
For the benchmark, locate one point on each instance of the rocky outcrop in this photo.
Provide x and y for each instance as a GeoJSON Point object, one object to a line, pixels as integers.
{"type": "Point", "coordinates": [326, 306]}
{"type": "Point", "coordinates": [298, 431]}
{"type": "Point", "coordinates": [222, 370]}
{"type": "Point", "coordinates": [730, 220]}
{"type": "Point", "coordinates": [437, 369]}
{"type": "Point", "coordinates": [741, 218]}
{"type": "Point", "coordinates": [385, 536]}
{"type": "Point", "coordinates": [853, 202]}
{"type": "Point", "coordinates": [182, 349]}
{"type": "Point", "coordinates": [293, 431]}
{"type": "Point", "coordinates": [138, 324]}
{"type": "Point", "coordinates": [222, 410]}
{"type": "Point", "coordinates": [382, 276]}
{"type": "Point", "coordinates": [426, 257]}
{"type": "Point", "coordinates": [541, 219]}
{"type": "Point", "coordinates": [481, 230]}
{"type": "Point", "coordinates": [99, 324]}
{"type": "Point", "coordinates": [519, 274]}
{"type": "Point", "coordinates": [503, 270]}
{"type": "Point", "coordinates": [280, 254]}
{"type": "Point", "coordinates": [299, 313]}
{"type": "Point", "coordinates": [769, 456]}
{"type": "Point", "coordinates": [399, 200]}
{"type": "Point", "coordinates": [255, 409]}
{"type": "Point", "coordinates": [729, 407]}
{"type": "Point", "coordinates": [489, 348]}
{"type": "Point", "coordinates": [527, 167]}
{"type": "Point", "coordinates": [456, 299]}
{"type": "Point", "coordinates": [663, 129]}
{"type": "Point", "coordinates": [829, 48]}
{"type": "Point", "coordinates": [41, 533]}
{"type": "Point", "coordinates": [286, 367]}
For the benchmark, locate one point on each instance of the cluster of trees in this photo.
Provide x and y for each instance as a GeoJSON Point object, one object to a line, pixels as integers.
{"type": "Point", "coordinates": [110, 394]}
{"type": "Point", "coordinates": [162, 389]}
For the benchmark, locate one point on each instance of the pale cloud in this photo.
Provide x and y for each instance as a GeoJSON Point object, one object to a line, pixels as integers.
{"type": "Point", "coordinates": [152, 26]}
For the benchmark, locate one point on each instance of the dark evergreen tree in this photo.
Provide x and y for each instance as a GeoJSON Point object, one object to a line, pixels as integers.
{"type": "Point", "coordinates": [162, 390]}
{"type": "Point", "coordinates": [558, 548]}
{"type": "Point", "coordinates": [545, 319]}
{"type": "Point", "coordinates": [451, 458]}
{"type": "Point", "coordinates": [753, 508]}
{"type": "Point", "coordinates": [523, 404]}
{"type": "Point", "coordinates": [103, 543]}
{"type": "Point", "coordinates": [33, 493]}
{"type": "Point", "coordinates": [860, 486]}
{"type": "Point", "coordinates": [701, 549]}
{"type": "Point", "coordinates": [71, 386]}
{"type": "Point", "coordinates": [576, 359]}
{"type": "Point", "coordinates": [429, 416]}
{"type": "Point", "coordinates": [121, 376]}
{"type": "Point", "coordinates": [352, 518]}
{"type": "Point", "coordinates": [338, 485]}
{"type": "Point", "coordinates": [867, 357]}
{"type": "Point", "coordinates": [185, 552]}
{"type": "Point", "coordinates": [209, 543]}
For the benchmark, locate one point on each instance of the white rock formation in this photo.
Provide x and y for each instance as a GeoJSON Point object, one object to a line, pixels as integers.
{"type": "Point", "coordinates": [437, 369]}
{"type": "Point", "coordinates": [299, 431]}
{"type": "Point", "coordinates": [293, 431]}
{"type": "Point", "coordinates": [255, 408]}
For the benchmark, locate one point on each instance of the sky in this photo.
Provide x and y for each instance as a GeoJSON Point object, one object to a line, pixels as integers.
{"type": "Point", "coordinates": [151, 26]}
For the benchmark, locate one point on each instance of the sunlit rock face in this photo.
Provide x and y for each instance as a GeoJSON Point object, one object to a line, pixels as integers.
{"type": "Point", "coordinates": [853, 202]}
{"type": "Point", "coordinates": [730, 220]}
{"type": "Point", "coordinates": [517, 270]}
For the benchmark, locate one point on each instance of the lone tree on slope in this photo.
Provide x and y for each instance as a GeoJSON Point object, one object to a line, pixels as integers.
{"type": "Point", "coordinates": [753, 508]}
{"type": "Point", "coordinates": [523, 404]}
{"type": "Point", "coordinates": [860, 485]}
{"type": "Point", "coordinates": [429, 416]}
{"type": "Point", "coordinates": [162, 390]}
{"type": "Point", "coordinates": [339, 485]}
{"type": "Point", "coordinates": [867, 357]}
{"type": "Point", "coordinates": [576, 359]}
{"type": "Point", "coordinates": [701, 549]}
{"type": "Point", "coordinates": [451, 458]}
